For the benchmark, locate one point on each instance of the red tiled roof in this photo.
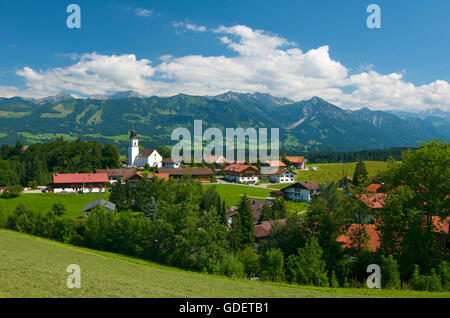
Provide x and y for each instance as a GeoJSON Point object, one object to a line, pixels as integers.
{"type": "Point", "coordinates": [275, 163]}
{"type": "Point", "coordinates": [374, 187]}
{"type": "Point", "coordinates": [163, 176]}
{"type": "Point", "coordinates": [374, 201]}
{"type": "Point", "coordinates": [441, 225]}
{"type": "Point", "coordinates": [80, 177]}
{"type": "Point", "coordinates": [374, 236]}
{"type": "Point", "coordinates": [296, 160]}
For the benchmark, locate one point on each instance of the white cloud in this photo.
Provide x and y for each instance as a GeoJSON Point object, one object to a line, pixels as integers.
{"type": "Point", "coordinates": [190, 26]}
{"type": "Point", "coordinates": [261, 62]}
{"type": "Point", "coordinates": [143, 12]}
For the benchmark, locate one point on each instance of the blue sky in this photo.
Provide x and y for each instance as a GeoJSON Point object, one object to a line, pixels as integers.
{"type": "Point", "coordinates": [208, 47]}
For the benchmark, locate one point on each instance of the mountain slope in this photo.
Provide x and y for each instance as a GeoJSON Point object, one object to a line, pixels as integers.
{"type": "Point", "coordinates": [310, 125]}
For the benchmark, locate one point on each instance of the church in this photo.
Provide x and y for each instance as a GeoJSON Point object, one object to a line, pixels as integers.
{"type": "Point", "coordinates": [139, 158]}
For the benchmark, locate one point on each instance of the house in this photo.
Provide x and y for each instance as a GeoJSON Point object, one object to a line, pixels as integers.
{"type": "Point", "coordinates": [201, 174]}
{"type": "Point", "coordinates": [301, 191]}
{"type": "Point", "coordinates": [115, 174]}
{"type": "Point", "coordinates": [133, 178]}
{"type": "Point", "coordinates": [2, 189]}
{"type": "Point", "coordinates": [242, 173]}
{"type": "Point", "coordinates": [79, 182]}
{"type": "Point", "coordinates": [277, 194]}
{"type": "Point", "coordinates": [111, 207]}
{"type": "Point", "coordinates": [271, 166]}
{"type": "Point", "coordinates": [282, 176]}
{"type": "Point", "coordinates": [170, 163]}
{"type": "Point", "coordinates": [297, 162]}
{"type": "Point", "coordinates": [219, 161]}
{"type": "Point", "coordinates": [140, 158]}
{"type": "Point", "coordinates": [373, 236]}
{"type": "Point", "coordinates": [265, 228]}
{"type": "Point", "coordinates": [162, 176]}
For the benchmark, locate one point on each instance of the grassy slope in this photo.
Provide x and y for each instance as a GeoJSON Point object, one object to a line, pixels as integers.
{"type": "Point", "coordinates": [44, 201]}
{"type": "Point", "coordinates": [35, 267]}
{"type": "Point", "coordinates": [329, 172]}
{"type": "Point", "coordinates": [231, 193]}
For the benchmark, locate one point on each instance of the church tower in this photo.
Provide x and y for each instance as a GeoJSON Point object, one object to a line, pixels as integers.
{"type": "Point", "coordinates": [133, 148]}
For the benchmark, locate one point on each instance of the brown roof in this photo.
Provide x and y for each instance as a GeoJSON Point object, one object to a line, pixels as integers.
{"type": "Point", "coordinates": [145, 153]}
{"type": "Point", "coordinates": [374, 187]}
{"type": "Point", "coordinates": [131, 175]}
{"type": "Point", "coordinates": [276, 193]}
{"type": "Point", "coordinates": [114, 173]}
{"type": "Point", "coordinates": [170, 160]}
{"type": "Point", "coordinates": [230, 212]}
{"type": "Point", "coordinates": [310, 185]}
{"type": "Point", "coordinates": [265, 228]}
{"type": "Point", "coordinates": [238, 168]}
{"type": "Point", "coordinates": [191, 171]}
{"type": "Point", "coordinates": [280, 171]}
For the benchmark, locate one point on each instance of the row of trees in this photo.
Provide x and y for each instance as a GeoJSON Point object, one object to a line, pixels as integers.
{"type": "Point", "coordinates": [35, 164]}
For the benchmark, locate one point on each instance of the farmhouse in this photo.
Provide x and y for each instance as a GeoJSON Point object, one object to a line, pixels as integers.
{"type": "Point", "coordinates": [301, 191]}
{"type": "Point", "coordinates": [79, 182]}
{"type": "Point", "coordinates": [115, 174]}
{"type": "Point", "coordinates": [271, 166]}
{"type": "Point", "coordinates": [242, 173]}
{"type": "Point", "coordinates": [282, 176]}
{"type": "Point", "coordinates": [265, 228]}
{"type": "Point", "coordinates": [111, 207]}
{"type": "Point", "coordinates": [140, 158]}
{"type": "Point", "coordinates": [201, 174]}
{"type": "Point", "coordinates": [170, 163]}
{"type": "Point", "coordinates": [297, 162]}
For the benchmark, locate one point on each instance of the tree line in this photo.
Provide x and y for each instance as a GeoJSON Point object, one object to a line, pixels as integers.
{"type": "Point", "coordinates": [35, 165]}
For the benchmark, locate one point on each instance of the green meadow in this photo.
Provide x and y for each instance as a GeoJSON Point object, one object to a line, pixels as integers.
{"type": "Point", "coordinates": [36, 267]}
{"type": "Point", "coordinates": [74, 203]}
{"type": "Point", "coordinates": [329, 172]}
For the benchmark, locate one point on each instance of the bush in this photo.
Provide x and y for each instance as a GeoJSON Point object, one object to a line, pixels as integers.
{"type": "Point", "coordinates": [230, 266]}
{"type": "Point", "coordinates": [390, 277]}
{"type": "Point", "coordinates": [250, 260]}
{"type": "Point", "coordinates": [272, 265]}
{"type": "Point", "coordinates": [430, 282]}
{"type": "Point", "coordinates": [307, 266]}
{"type": "Point", "coordinates": [12, 192]}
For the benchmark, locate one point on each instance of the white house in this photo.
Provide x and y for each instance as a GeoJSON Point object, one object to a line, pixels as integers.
{"type": "Point", "coordinates": [170, 163]}
{"type": "Point", "coordinates": [282, 176]}
{"type": "Point", "coordinates": [242, 173]}
{"type": "Point", "coordinates": [139, 158]}
{"type": "Point", "coordinates": [79, 182]}
{"type": "Point", "coordinates": [301, 191]}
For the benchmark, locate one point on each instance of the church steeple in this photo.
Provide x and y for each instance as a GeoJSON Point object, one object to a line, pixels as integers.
{"type": "Point", "coordinates": [133, 148]}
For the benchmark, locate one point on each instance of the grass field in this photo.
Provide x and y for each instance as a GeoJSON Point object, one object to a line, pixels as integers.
{"type": "Point", "coordinates": [232, 193]}
{"type": "Point", "coordinates": [35, 267]}
{"type": "Point", "coordinates": [329, 172]}
{"type": "Point", "coordinates": [44, 201]}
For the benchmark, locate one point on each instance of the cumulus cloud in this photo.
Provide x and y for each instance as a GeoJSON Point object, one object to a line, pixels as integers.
{"type": "Point", "coordinates": [258, 62]}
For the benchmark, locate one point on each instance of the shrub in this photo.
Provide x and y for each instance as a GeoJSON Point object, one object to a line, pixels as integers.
{"type": "Point", "coordinates": [390, 277]}
{"type": "Point", "coordinates": [230, 266]}
{"type": "Point", "coordinates": [272, 263]}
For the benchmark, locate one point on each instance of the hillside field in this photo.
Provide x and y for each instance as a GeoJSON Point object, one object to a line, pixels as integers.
{"type": "Point", "coordinates": [36, 267]}
{"type": "Point", "coordinates": [329, 172]}
{"type": "Point", "coordinates": [44, 201]}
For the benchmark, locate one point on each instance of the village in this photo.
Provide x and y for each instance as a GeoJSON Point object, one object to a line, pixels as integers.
{"type": "Point", "coordinates": [140, 161]}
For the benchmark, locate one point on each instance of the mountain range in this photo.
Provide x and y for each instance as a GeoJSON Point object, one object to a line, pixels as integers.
{"type": "Point", "coordinates": [309, 125]}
